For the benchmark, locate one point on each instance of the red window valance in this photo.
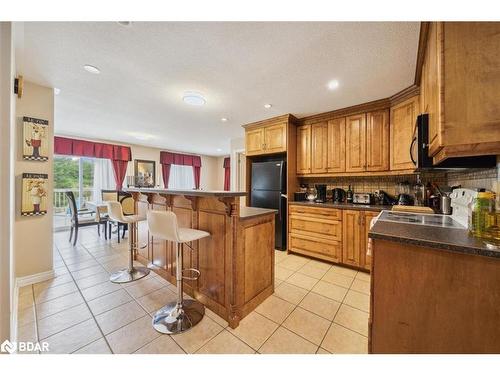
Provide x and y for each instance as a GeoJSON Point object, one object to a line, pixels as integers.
{"type": "Point", "coordinates": [227, 163]}
{"type": "Point", "coordinates": [169, 158]}
{"type": "Point", "coordinates": [78, 147]}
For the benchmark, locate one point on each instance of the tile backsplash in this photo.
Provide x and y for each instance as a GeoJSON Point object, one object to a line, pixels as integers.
{"type": "Point", "coordinates": [470, 178]}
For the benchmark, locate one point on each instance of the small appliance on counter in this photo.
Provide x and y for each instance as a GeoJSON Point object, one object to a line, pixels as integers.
{"type": "Point", "coordinates": [300, 196]}
{"type": "Point", "coordinates": [320, 193]}
{"type": "Point", "coordinates": [403, 194]}
{"type": "Point", "coordinates": [311, 194]}
{"type": "Point", "coordinates": [362, 198]}
{"type": "Point", "coordinates": [338, 195]}
{"type": "Point", "coordinates": [382, 198]}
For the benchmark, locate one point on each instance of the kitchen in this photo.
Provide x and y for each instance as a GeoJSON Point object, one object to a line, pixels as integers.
{"type": "Point", "coordinates": [365, 224]}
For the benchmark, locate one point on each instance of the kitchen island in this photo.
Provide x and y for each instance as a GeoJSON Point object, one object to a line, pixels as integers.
{"type": "Point", "coordinates": [236, 262]}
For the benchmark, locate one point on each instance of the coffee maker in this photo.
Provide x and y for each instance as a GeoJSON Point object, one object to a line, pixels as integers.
{"type": "Point", "coordinates": [320, 193]}
{"type": "Point", "coordinates": [338, 195]}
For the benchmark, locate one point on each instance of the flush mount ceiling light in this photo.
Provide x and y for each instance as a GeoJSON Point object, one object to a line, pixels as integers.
{"type": "Point", "coordinates": [267, 106]}
{"type": "Point", "coordinates": [125, 23]}
{"type": "Point", "coordinates": [224, 119]}
{"type": "Point", "coordinates": [333, 84]}
{"type": "Point", "coordinates": [141, 136]}
{"type": "Point", "coordinates": [57, 91]}
{"type": "Point", "coordinates": [193, 98]}
{"type": "Point", "coordinates": [91, 69]}
{"type": "Point", "coordinates": [219, 150]}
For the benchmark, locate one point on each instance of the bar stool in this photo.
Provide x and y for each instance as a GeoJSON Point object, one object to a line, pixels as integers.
{"type": "Point", "coordinates": [130, 273]}
{"type": "Point", "coordinates": [179, 316]}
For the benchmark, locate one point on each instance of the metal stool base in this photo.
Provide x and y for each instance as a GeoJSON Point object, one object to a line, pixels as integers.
{"type": "Point", "coordinates": [126, 276]}
{"type": "Point", "coordinates": [169, 319]}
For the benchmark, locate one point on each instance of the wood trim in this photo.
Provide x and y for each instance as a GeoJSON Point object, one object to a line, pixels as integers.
{"type": "Point", "coordinates": [422, 46]}
{"type": "Point", "coordinates": [405, 94]}
{"type": "Point", "coordinates": [359, 174]}
{"type": "Point", "coordinates": [271, 121]}
{"type": "Point", "coordinates": [348, 111]}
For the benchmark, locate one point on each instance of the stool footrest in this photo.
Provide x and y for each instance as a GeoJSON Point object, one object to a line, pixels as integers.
{"type": "Point", "coordinates": [194, 270]}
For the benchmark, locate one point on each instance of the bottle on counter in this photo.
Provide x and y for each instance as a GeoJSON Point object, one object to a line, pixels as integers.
{"type": "Point", "coordinates": [482, 214]}
{"type": "Point", "coordinates": [349, 195]}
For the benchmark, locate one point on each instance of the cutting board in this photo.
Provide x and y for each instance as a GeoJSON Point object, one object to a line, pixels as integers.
{"type": "Point", "coordinates": [414, 209]}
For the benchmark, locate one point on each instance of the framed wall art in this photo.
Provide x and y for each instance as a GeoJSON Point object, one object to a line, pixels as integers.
{"type": "Point", "coordinates": [34, 194]}
{"type": "Point", "coordinates": [145, 173]}
{"type": "Point", "coordinates": [35, 138]}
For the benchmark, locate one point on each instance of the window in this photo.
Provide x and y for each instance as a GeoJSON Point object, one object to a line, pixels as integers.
{"type": "Point", "coordinates": [181, 177]}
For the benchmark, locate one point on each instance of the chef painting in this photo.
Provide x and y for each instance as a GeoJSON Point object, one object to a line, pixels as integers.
{"type": "Point", "coordinates": [35, 139]}
{"type": "Point", "coordinates": [34, 198]}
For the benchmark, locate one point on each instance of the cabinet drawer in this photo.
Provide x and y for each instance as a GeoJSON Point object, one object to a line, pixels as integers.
{"type": "Point", "coordinates": [315, 247]}
{"type": "Point", "coordinates": [321, 212]}
{"type": "Point", "coordinates": [328, 229]}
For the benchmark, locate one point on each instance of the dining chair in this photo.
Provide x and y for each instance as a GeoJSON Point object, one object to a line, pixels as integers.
{"type": "Point", "coordinates": [77, 219]}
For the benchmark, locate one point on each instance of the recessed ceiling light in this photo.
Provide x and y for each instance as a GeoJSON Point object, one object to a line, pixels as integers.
{"type": "Point", "coordinates": [57, 91]}
{"type": "Point", "coordinates": [268, 106]}
{"type": "Point", "coordinates": [193, 98]}
{"type": "Point", "coordinates": [141, 136]}
{"type": "Point", "coordinates": [91, 69]}
{"type": "Point", "coordinates": [223, 119]}
{"type": "Point", "coordinates": [125, 23]}
{"type": "Point", "coordinates": [333, 84]}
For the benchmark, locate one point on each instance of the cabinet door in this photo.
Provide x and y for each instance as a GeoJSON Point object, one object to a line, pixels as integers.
{"type": "Point", "coordinates": [275, 138]}
{"type": "Point", "coordinates": [403, 117]}
{"type": "Point", "coordinates": [355, 141]}
{"type": "Point", "coordinates": [366, 260]}
{"type": "Point", "coordinates": [352, 237]}
{"type": "Point", "coordinates": [319, 145]}
{"type": "Point", "coordinates": [304, 149]}
{"type": "Point", "coordinates": [254, 140]}
{"type": "Point", "coordinates": [336, 146]}
{"type": "Point", "coordinates": [377, 141]}
{"type": "Point", "coordinates": [433, 84]}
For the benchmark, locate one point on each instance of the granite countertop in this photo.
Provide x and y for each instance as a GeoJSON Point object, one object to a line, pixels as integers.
{"type": "Point", "coordinates": [249, 212]}
{"type": "Point", "coordinates": [344, 206]}
{"type": "Point", "coordinates": [449, 239]}
{"type": "Point", "coordinates": [192, 193]}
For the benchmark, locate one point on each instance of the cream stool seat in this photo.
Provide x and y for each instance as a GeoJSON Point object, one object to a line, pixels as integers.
{"type": "Point", "coordinates": [130, 273]}
{"type": "Point", "coordinates": [181, 315]}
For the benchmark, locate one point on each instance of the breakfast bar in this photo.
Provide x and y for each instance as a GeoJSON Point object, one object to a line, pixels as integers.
{"type": "Point", "coordinates": [236, 262]}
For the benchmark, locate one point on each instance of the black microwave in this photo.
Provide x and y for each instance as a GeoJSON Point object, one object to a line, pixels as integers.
{"type": "Point", "coordinates": [419, 152]}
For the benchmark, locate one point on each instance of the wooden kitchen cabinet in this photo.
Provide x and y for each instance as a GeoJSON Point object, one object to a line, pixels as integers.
{"type": "Point", "coordinates": [402, 124]}
{"type": "Point", "coordinates": [315, 232]}
{"type": "Point", "coordinates": [275, 138]}
{"type": "Point", "coordinates": [377, 141]}
{"type": "Point", "coordinates": [355, 140]}
{"type": "Point", "coordinates": [432, 85]}
{"type": "Point", "coordinates": [336, 146]}
{"type": "Point", "coordinates": [304, 149]}
{"type": "Point", "coordinates": [352, 237]}
{"type": "Point", "coordinates": [266, 139]}
{"type": "Point", "coordinates": [254, 140]}
{"type": "Point", "coordinates": [459, 81]}
{"type": "Point", "coordinates": [319, 147]}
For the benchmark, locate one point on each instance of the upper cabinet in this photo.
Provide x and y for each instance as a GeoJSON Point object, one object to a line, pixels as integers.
{"type": "Point", "coordinates": [356, 143]}
{"type": "Point", "coordinates": [402, 125]}
{"type": "Point", "coordinates": [459, 81]}
{"type": "Point", "coordinates": [319, 147]}
{"type": "Point", "coordinates": [304, 149]}
{"type": "Point", "coordinates": [267, 137]}
{"type": "Point", "coordinates": [336, 146]}
{"type": "Point", "coordinates": [377, 141]}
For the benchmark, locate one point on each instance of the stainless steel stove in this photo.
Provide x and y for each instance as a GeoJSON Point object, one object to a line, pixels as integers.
{"type": "Point", "coordinates": [445, 221]}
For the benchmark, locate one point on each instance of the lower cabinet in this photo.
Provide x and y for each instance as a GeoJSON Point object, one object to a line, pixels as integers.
{"type": "Point", "coordinates": [339, 236]}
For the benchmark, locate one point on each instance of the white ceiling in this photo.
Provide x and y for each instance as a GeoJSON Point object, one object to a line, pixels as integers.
{"type": "Point", "coordinates": [238, 67]}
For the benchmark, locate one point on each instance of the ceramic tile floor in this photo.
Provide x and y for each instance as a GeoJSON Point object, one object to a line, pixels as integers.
{"type": "Point", "coordinates": [316, 308]}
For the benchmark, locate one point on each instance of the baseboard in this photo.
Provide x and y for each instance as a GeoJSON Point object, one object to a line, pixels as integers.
{"type": "Point", "coordinates": [33, 279]}
{"type": "Point", "coordinates": [20, 282]}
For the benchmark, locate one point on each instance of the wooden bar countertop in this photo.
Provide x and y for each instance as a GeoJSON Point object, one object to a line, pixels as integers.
{"type": "Point", "coordinates": [236, 262]}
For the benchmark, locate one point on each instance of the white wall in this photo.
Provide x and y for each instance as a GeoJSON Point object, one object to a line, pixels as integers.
{"type": "Point", "coordinates": [7, 113]}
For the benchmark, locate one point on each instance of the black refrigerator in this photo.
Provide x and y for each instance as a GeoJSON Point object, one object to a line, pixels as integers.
{"type": "Point", "coordinates": [268, 190]}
